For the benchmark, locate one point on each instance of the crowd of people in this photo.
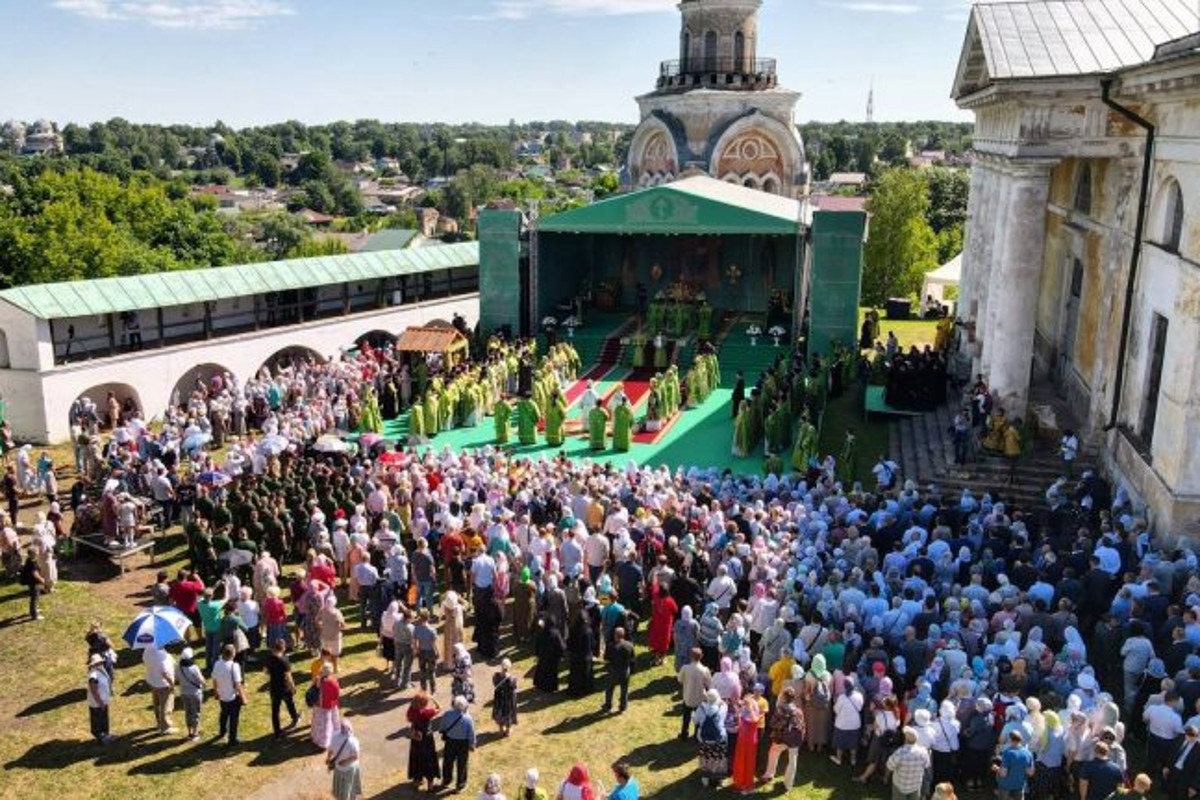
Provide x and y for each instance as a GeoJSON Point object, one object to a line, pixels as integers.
{"type": "Point", "coordinates": [921, 638]}
{"type": "Point", "coordinates": [925, 640]}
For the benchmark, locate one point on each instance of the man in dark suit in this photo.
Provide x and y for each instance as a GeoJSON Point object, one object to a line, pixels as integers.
{"type": "Point", "coordinates": [739, 394]}
{"type": "Point", "coordinates": [1182, 773]}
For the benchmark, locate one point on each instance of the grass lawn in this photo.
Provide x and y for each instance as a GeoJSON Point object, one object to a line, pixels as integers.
{"type": "Point", "coordinates": [47, 750]}
{"type": "Point", "coordinates": [910, 332]}
{"type": "Point", "coordinates": [847, 411]}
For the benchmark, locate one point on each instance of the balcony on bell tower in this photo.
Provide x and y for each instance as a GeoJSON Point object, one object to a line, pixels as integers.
{"type": "Point", "coordinates": [718, 42]}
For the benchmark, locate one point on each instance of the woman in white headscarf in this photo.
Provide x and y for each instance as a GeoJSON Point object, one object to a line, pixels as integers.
{"type": "Point", "coordinates": [331, 624]}
{"type": "Point", "coordinates": [44, 543]}
{"type": "Point", "coordinates": [342, 758]}
{"type": "Point", "coordinates": [387, 631]}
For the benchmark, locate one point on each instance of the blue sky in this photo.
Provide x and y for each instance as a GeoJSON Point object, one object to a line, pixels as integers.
{"type": "Point", "coordinates": [256, 61]}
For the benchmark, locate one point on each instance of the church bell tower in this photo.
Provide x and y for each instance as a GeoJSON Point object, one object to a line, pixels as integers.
{"type": "Point", "coordinates": [718, 108]}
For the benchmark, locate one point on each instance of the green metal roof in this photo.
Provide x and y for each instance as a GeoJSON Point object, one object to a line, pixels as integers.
{"type": "Point", "coordinates": [698, 205]}
{"type": "Point", "coordinates": [161, 289]}
{"type": "Point", "coordinates": [392, 239]}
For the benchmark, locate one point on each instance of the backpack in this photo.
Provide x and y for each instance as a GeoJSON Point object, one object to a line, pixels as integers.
{"type": "Point", "coordinates": [312, 695]}
{"type": "Point", "coordinates": [821, 695]}
{"type": "Point", "coordinates": [710, 729]}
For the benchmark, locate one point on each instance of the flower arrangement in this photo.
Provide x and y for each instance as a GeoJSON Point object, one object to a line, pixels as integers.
{"type": "Point", "coordinates": [754, 332]}
{"type": "Point", "coordinates": [777, 332]}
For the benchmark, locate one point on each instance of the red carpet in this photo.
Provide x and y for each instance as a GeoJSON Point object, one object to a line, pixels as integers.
{"type": "Point", "coordinates": [637, 385]}
{"type": "Point", "coordinates": [577, 389]}
{"type": "Point", "coordinates": [648, 437]}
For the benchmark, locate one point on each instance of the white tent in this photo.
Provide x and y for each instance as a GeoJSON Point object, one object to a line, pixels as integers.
{"type": "Point", "coordinates": [947, 274]}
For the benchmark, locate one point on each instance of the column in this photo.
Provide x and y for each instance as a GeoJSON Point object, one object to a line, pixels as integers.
{"type": "Point", "coordinates": [972, 242]}
{"type": "Point", "coordinates": [993, 235]}
{"type": "Point", "coordinates": [1019, 252]}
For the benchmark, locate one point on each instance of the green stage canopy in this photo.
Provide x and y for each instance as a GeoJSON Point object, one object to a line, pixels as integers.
{"type": "Point", "coordinates": [699, 205]}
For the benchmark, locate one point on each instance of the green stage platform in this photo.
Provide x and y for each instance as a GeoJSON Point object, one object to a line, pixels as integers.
{"type": "Point", "coordinates": [873, 403]}
{"type": "Point", "coordinates": [701, 436]}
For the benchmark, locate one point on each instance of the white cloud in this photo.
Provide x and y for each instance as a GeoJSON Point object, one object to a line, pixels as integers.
{"type": "Point", "coordinates": [523, 9]}
{"type": "Point", "coordinates": [193, 14]}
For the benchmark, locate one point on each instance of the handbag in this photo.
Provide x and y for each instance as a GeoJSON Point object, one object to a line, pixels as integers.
{"type": "Point", "coordinates": [446, 732]}
{"type": "Point", "coordinates": [331, 764]}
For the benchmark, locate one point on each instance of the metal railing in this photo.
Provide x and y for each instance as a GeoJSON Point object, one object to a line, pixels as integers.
{"type": "Point", "coordinates": [763, 68]}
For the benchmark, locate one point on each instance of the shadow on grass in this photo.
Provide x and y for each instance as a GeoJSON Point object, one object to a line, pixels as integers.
{"type": "Point", "coordinates": [51, 703]}
{"type": "Point", "coordinates": [662, 755]}
{"type": "Point", "coordinates": [56, 754]}
{"type": "Point", "coordinates": [573, 724]}
{"type": "Point", "coordinates": [659, 687]}
{"type": "Point", "coordinates": [268, 752]}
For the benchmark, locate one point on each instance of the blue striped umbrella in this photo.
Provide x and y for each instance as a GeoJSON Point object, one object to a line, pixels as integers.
{"type": "Point", "coordinates": [157, 627]}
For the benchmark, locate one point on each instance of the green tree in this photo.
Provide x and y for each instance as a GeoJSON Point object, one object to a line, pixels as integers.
{"type": "Point", "coordinates": [85, 224]}
{"type": "Point", "coordinates": [605, 184]}
{"type": "Point", "coordinates": [266, 167]}
{"type": "Point", "coordinates": [948, 190]}
{"type": "Point", "coordinates": [949, 243]}
{"type": "Point", "coordinates": [902, 247]}
{"type": "Point", "coordinates": [280, 233]}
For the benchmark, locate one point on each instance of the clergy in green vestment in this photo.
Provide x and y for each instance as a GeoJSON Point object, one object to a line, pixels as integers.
{"type": "Point", "coordinates": [704, 322]}
{"type": "Point", "coordinates": [622, 427]}
{"type": "Point", "coordinates": [422, 377]}
{"type": "Point", "coordinates": [446, 407]}
{"type": "Point", "coordinates": [639, 350]}
{"type": "Point", "coordinates": [695, 386]}
{"type": "Point", "coordinates": [846, 468]}
{"type": "Point", "coordinates": [528, 415]}
{"type": "Point", "coordinates": [370, 421]}
{"type": "Point", "coordinates": [431, 412]}
{"type": "Point", "coordinates": [806, 445]}
{"type": "Point", "coordinates": [741, 431]}
{"type": "Point", "coordinates": [500, 413]}
{"type": "Point", "coordinates": [416, 422]}
{"type": "Point", "coordinates": [556, 415]}
{"type": "Point", "coordinates": [597, 427]}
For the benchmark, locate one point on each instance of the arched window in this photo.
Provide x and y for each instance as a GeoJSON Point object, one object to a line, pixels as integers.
{"type": "Point", "coordinates": [750, 182]}
{"type": "Point", "coordinates": [1083, 189]}
{"type": "Point", "coordinates": [710, 51]}
{"type": "Point", "coordinates": [739, 52]}
{"type": "Point", "coordinates": [1172, 235]}
{"type": "Point", "coordinates": [771, 185]}
{"type": "Point", "coordinates": [5, 360]}
{"type": "Point", "coordinates": [685, 49]}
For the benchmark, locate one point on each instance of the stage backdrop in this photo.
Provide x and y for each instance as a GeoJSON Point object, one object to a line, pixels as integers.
{"type": "Point", "coordinates": [500, 269]}
{"type": "Point", "coordinates": [836, 278]}
{"type": "Point", "coordinates": [735, 272]}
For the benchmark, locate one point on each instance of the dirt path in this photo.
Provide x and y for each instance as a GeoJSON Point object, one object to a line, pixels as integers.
{"type": "Point", "coordinates": [371, 701]}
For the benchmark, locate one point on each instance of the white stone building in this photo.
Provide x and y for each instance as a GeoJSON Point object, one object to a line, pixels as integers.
{"type": "Point", "coordinates": [1081, 269]}
{"type": "Point", "coordinates": [146, 337]}
{"type": "Point", "coordinates": [718, 110]}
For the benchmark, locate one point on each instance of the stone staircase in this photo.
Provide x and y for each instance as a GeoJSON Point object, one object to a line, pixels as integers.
{"type": "Point", "coordinates": [924, 449]}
